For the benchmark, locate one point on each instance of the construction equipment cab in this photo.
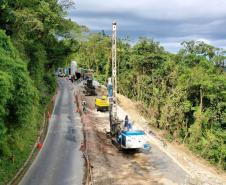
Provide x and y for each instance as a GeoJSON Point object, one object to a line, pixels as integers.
{"type": "Point", "coordinates": [102, 103]}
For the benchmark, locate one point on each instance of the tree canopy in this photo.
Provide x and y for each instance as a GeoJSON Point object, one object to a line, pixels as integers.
{"type": "Point", "coordinates": [35, 38]}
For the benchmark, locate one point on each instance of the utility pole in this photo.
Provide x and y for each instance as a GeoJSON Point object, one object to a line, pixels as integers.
{"type": "Point", "coordinates": [114, 68]}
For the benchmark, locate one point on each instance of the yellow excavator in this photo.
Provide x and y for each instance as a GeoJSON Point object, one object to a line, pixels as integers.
{"type": "Point", "coordinates": [101, 103]}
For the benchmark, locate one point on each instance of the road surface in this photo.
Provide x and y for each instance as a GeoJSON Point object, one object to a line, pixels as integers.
{"type": "Point", "coordinates": [163, 167]}
{"type": "Point", "coordinates": [60, 161]}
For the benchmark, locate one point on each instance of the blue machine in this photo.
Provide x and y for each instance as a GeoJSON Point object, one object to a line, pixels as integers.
{"type": "Point", "coordinates": [134, 139]}
{"type": "Point", "coordinates": [110, 90]}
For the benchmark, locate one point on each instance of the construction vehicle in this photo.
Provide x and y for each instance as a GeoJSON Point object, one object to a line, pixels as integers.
{"type": "Point", "coordinates": [132, 140]}
{"type": "Point", "coordinates": [74, 67]}
{"type": "Point", "coordinates": [101, 103]}
{"type": "Point", "coordinates": [89, 88]}
{"type": "Point", "coordinates": [123, 136]}
{"type": "Point", "coordinates": [60, 72]}
{"type": "Point", "coordinates": [75, 72]}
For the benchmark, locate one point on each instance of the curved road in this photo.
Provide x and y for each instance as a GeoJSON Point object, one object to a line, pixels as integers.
{"type": "Point", "coordinates": [60, 161]}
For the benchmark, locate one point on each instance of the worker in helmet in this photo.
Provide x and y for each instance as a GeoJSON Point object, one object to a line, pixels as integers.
{"type": "Point", "coordinates": [126, 121]}
{"type": "Point", "coordinates": [84, 107]}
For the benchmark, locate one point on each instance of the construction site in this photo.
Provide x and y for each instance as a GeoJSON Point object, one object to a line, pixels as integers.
{"type": "Point", "coordinates": [119, 146]}
{"type": "Point", "coordinates": [96, 92]}
{"type": "Point", "coordinates": [111, 134]}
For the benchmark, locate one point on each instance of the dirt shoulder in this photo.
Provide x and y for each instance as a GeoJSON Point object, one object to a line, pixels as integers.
{"type": "Point", "coordinates": [113, 167]}
{"type": "Point", "coordinates": [109, 166]}
{"type": "Point", "coordinates": [201, 171]}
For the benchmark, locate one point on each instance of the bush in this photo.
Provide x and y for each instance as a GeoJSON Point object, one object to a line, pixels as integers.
{"type": "Point", "coordinates": [18, 108]}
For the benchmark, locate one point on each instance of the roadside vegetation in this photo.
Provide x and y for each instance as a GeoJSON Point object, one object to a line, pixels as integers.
{"type": "Point", "coordinates": [34, 39]}
{"type": "Point", "coordinates": [183, 94]}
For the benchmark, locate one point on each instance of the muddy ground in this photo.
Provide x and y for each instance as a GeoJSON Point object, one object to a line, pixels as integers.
{"type": "Point", "coordinates": [113, 167]}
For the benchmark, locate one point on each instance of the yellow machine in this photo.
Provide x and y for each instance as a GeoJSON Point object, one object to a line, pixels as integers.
{"type": "Point", "coordinates": [102, 103]}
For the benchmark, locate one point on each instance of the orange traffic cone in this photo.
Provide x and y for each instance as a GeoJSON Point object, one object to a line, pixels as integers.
{"type": "Point", "coordinates": [39, 145]}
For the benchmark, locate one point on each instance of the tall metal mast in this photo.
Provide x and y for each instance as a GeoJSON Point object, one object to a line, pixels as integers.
{"type": "Point", "coordinates": [114, 68]}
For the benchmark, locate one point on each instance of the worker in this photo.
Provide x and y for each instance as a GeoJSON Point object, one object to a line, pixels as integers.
{"type": "Point", "coordinates": [126, 121]}
{"type": "Point", "coordinates": [84, 106]}
{"type": "Point", "coordinates": [129, 126]}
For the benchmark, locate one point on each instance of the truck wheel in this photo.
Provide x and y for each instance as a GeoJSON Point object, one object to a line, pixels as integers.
{"type": "Point", "coordinates": [96, 108]}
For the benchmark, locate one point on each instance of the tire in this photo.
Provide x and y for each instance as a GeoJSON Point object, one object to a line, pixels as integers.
{"type": "Point", "coordinates": [96, 108]}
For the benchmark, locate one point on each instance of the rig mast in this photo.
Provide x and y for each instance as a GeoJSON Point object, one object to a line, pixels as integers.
{"type": "Point", "coordinates": [114, 69]}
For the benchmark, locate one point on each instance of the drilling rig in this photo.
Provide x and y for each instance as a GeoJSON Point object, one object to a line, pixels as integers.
{"type": "Point", "coordinates": [124, 138]}
{"type": "Point", "coordinates": [115, 123]}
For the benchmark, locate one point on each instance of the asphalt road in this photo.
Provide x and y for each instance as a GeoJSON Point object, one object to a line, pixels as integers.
{"type": "Point", "coordinates": [60, 161]}
{"type": "Point", "coordinates": [164, 167]}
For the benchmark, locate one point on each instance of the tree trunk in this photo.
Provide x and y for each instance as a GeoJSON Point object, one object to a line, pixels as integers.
{"type": "Point", "coordinates": [201, 99]}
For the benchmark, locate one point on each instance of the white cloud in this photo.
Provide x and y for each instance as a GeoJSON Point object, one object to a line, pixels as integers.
{"type": "Point", "coordinates": [174, 46]}
{"type": "Point", "coordinates": [164, 20]}
{"type": "Point", "coordinates": [158, 9]}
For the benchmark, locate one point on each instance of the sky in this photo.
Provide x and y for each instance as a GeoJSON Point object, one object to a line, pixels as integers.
{"type": "Point", "coordinates": [168, 21]}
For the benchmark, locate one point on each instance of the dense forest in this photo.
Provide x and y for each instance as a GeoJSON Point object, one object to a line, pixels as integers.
{"type": "Point", "coordinates": [183, 94]}
{"type": "Point", "coordinates": [35, 37]}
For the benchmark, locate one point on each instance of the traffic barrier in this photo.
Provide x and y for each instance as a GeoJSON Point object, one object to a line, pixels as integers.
{"type": "Point", "coordinates": [48, 115]}
{"type": "Point", "coordinates": [39, 145]}
{"type": "Point", "coordinates": [77, 110]}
